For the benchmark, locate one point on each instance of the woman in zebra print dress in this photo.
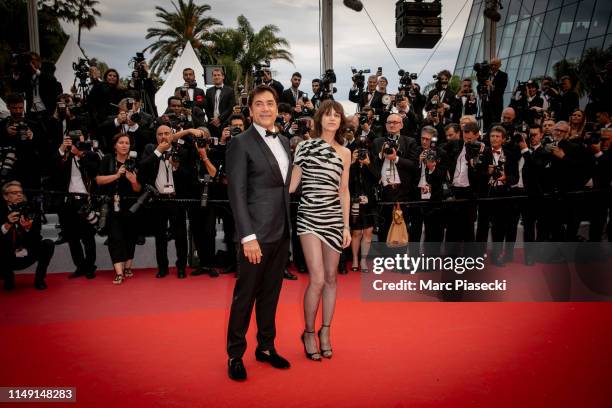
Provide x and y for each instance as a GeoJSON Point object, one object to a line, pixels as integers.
{"type": "Point", "coordinates": [322, 165]}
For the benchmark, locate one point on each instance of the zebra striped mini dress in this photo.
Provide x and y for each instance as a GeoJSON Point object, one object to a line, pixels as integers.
{"type": "Point", "coordinates": [320, 211]}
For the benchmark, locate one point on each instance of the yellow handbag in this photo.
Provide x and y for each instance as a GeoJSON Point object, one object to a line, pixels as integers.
{"type": "Point", "coordinates": [398, 233]}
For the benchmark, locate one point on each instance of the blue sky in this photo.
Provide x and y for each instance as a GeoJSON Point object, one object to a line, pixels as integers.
{"type": "Point", "coordinates": [122, 27]}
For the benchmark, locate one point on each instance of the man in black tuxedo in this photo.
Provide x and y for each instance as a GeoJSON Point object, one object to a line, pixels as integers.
{"type": "Point", "coordinates": [569, 100]}
{"type": "Point", "coordinates": [219, 102]}
{"type": "Point", "coordinates": [259, 172]}
{"type": "Point", "coordinates": [190, 92]}
{"type": "Point", "coordinates": [293, 94]}
{"type": "Point", "coordinates": [465, 101]}
{"type": "Point", "coordinates": [271, 82]}
{"type": "Point", "coordinates": [397, 165]}
{"type": "Point", "coordinates": [496, 86]}
{"type": "Point", "coordinates": [370, 97]}
{"type": "Point", "coordinates": [441, 94]}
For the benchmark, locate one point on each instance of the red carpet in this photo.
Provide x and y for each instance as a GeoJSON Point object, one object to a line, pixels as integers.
{"type": "Point", "coordinates": [160, 343]}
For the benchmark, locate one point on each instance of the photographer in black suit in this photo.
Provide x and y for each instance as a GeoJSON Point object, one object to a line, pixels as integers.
{"type": "Point", "coordinates": [370, 97]}
{"type": "Point", "coordinates": [465, 101]}
{"type": "Point", "coordinates": [20, 241]}
{"type": "Point", "coordinates": [293, 95]}
{"type": "Point", "coordinates": [441, 94]}
{"type": "Point", "coordinates": [259, 172]}
{"type": "Point", "coordinates": [189, 93]}
{"type": "Point", "coordinates": [496, 86]}
{"type": "Point", "coordinates": [219, 102]}
{"type": "Point", "coordinates": [76, 166]}
{"type": "Point", "coordinates": [396, 163]}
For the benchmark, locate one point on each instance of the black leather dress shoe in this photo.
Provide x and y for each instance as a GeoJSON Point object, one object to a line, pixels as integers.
{"type": "Point", "coordinates": [181, 274]}
{"type": "Point", "coordinates": [273, 358]}
{"type": "Point", "coordinates": [161, 274]}
{"type": "Point", "coordinates": [229, 269]}
{"type": "Point", "coordinates": [76, 274]}
{"type": "Point", "coordinates": [289, 276]}
{"type": "Point", "coordinates": [236, 370]}
{"type": "Point", "coordinates": [40, 285]}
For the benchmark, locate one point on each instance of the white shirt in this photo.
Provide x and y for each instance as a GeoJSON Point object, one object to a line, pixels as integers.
{"type": "Point", "coordinates": [76, 179]}
{"type": "Point", "coordinates": [217, 98]}
{"type": "Point", "coordinates": [164, 182]}
{"type": "Point", "coordinates": [423, 183]}
{"type": "Point", "coordinates": [460, 178]}
{"type": "Point", "coordinates": [521, 163]}
{"type": "Point", "coordinates": [388, 173]}
{"type": "Point", "coordinates": [281, 157]}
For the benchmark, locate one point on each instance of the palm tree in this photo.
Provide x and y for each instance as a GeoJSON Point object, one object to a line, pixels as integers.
{"type": "Point", "coordinates": [81, 12]}
{"type": "Point", "coordinates": [186, 23]}
{"type": "Point", "coordinates": [241, 49]}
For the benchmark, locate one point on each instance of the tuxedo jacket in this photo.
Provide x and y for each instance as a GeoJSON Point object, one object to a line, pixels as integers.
{"type": "Point", "coordinates": [407, 164]}
{"type": "Point", "coordinates": [258, 195]}
{"type": "Point", "coordinates": [287, 97]}
{"type": "Point", "coordinates": [448, 99]}
{"type": "Point", "coordinates": [198, 96]}
{"type": "Point", "coordinates": [183, 177]}
{"type": "Point", "coordinates": [361, 98]}
{"type": "Point", "coordinates": [227, 101]}
{"type": "Point", "coordinates": [477, 175]}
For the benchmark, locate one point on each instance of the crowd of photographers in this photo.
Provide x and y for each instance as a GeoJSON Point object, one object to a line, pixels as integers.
{"type": "Point", "coordinates": [110, 162]}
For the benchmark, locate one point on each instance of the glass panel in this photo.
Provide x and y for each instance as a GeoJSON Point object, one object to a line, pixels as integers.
{"type": "Point", "coordinates": [540, 63]}
{"type": "Point", "coordinates": [599, 22]}
{"type": "Point", "coordinates": [582, 22]}
{"type": "Point", "coordinates": [512, 71]}
{"type": "Point", "coordinates": [525, 67]}
{"type": "Point", "coordinates": [473, 50]}
{"type": "Point", "coordinates": [552, 4]}
{"type": "Point", "coordinates": [556, 55]}
{"type": "Point", "coordinates": [465, 46]}
{"type": "Point", "coordinates": [548, 29]}
{"type": "Point", "coordinates": [513, 11]}
{"type": "Point", "coordinates": [566, 22]}
{"type": "Point", "coordinates": [519, 37]}
{"type": "Point", "coordinates": [535, 28]}
{"type": "Point", "coordinates": [469, 29]}
{"type": "Point", "coordinates": [503, 12]}
{"type": "Point", "coordinates": [526, 8]}
{"type": "Point", "coordinates": [569, 1]}
{"type": "Point", "coordinates": [480, 19]}
{"type": "Point", "coordinates": [574, 50]}
{"type": "Point", "coordinates": [506, 41]}
{"type": "Point", "coordinates": [540, 6]}
{"type": "Point", "coordinates": [594, 43]}
{"type": "Point", "coordinates": [507, 97]}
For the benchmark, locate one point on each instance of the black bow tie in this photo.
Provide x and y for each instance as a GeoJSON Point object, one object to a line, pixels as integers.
{"type": "Point", "coordinates": [219, 87]}
{"type": "Point", "coordinates": [273, 134]}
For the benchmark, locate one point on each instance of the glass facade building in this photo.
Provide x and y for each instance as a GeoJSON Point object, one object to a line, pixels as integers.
{"type": "Point", "coordinates": [533, 35]}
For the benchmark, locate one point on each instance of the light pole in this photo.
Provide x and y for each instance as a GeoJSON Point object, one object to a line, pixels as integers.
{"type": "Point", "coordinates": [33, 26]}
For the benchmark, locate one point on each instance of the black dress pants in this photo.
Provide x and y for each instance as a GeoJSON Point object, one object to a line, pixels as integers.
{"type": "Point", "coordinates": [164, 212]}
{"type": "Point", "coordinates": [257, 285]}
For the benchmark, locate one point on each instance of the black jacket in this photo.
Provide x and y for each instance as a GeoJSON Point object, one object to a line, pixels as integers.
{"type": "Point", "coordinates": [227, 101]}
{"type": "Point", "coordinates": [258, 195]}
{"type": "Point", "coordinates": [407, 164]}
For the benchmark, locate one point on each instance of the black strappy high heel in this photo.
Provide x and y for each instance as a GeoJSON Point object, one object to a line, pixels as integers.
{"type": "Point", "coordinates": [325, 353]}
{"type": "Point", "coordinates": [310, 356]}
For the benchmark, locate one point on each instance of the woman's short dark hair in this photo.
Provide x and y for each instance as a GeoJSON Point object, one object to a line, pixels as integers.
{"type": "Point", "coordinates": [326, 107]}
{"type": "Point", "coordinates": [119, 136]}
{"type": "Point", "coordinates": [258, 90]}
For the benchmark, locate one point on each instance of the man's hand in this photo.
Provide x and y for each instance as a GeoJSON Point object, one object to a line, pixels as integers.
{"type": "Point", "coordinates": [122, 117]}
{"type": "Point", "coordinates": [365, 161]}
{"type": "Point", "coordinates": [13, 217]}
{"type": "Point", "coordinates": [26, 223]}
{"type": "Point", "coordinates": [66, 145]}
{"type": "Point", "coordinates": [252, 251]}
{"type": "Point", "coordinates": [225, 135]}
{"type": "Point", "coordinates": [12, 130]}
{"type": "Point", "coordinates": [392, 156]}
{"type": "Point", "coordinates": [354, 156]}
{"type": "Point", "coordinates": [215, 122]}
{"type": "Point", "coordinates": [163, 146]}
{"type": "Point", "coordinates": [558, 152]}
{"type": "Point", "coordinates": [431, 165]}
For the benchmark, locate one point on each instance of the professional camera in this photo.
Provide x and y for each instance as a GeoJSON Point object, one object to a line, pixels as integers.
{"type": "Point", "coordinates": [104, 203]}
{"type": "Point", "coordinates": [133, 116]}
{"type": "Point", "coordinates": [358, 77]}
{"type": "Point", "coordinates": [303, 125]}
{"type": "Point", "coordinates": [472, 152]}
{"type": "Point", "coordinates": [235, 131]}
{"type": "Point", "coordinates": [362, 147]}
{"type": "Point", "coordinates": [145, 197]}
{"type": "Point", "coordinates": [363, 118]}
{"type": "Point", "coordinates": [24, 209]}
{"type": "Point", "coordinates": [390, 145]}
{"type": "Point", "coordinates": [83, 146]}
{"type": "Point", "coordinates": [405, 81]}
{"type": "Point", "coordinates": [204, 181]}
{"type": "Point", "coordinates": [592, 138]}
{"type": "Point", "coordinates": [177, 122]}
{"type": "Point", "coordinates": [483, 73]}
{"type": "Point", "coordinates": [327, 85]}
{"type": "Point", "coordinates": [258, 72]}
{"type": "Point", "coordinates": [130, 163]}
{"type": "Point", "coordinates": [81, 70]}
{"type": "Point", "coordinates": [91, 216]}
{"type": "Point", "coordinates": [8, 157]}
{"type": "Point", "coordinates": [136, 63]}
{"type": "Point", "coordinates": [498, 170]}
{"type": "Point", "coordinates": [202, 142]}
{"type": "Point", "coordinates": [431, 155]}
{"type": "Point", "coordinates": [22, 129]}
{"type": "Point", "coordinates": [175, 151]}
{"type": "Point", "coordinates": [521, 132]}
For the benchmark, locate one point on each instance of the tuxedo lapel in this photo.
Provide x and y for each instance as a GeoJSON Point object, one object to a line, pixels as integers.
{"type": "Point", "coordinates": [265, 150]}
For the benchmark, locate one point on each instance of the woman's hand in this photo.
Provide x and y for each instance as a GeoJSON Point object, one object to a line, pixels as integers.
{"type": "Point", "coordinates": [346, 237]}
{"type": "Point", "coordinates": [130, 176]}
{"type": "Point", "coordinates": [121, 171]}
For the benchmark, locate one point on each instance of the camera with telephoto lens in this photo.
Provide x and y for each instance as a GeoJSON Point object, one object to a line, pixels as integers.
{"type": "Point", "coordinates": [235, 131]}
{"type": "Point", "coordinates": [202, 142]}
{"type": "Point", "coordinates": [81, 70]}
{"type": "Point", "coordinates": [258, 72]}
{"type": "Point", "coordinates": [89, 214]}
{"type": "Point", "coordinates": [24, 209]}
{"type": "Point", "coordinates": [472, 152]}
{"type": "Point", "coordinates": [75, 137]}
{"type": "Point", "coordinates": [362, 147]}
{"type": "Point", "coordinates": [390, 145]}
{"type": "Point", "coordinates": [363, 118]}
{"type": "Point", "coordinates": [21, 127]}
{"type": "Point", "coordinates": [130, 163]}
{"type": "Point", "coordinates": [8, 157]}
{"type": "Point", "coordinates": [431, 155]}
{"type": "Point", "coordinates": [519, 133]}
{"type": "Point", "coordinates": [148, 193]}
{"type": "Point", "coordinates": [175, 151]}
{"type": "Point", "coordinates": [137, 64]}
{"type": "Point", "coordinates": [405, 80]}
{"type": "Point", "coordinates": [327, 85]}
{"type": "Point", "coordinates": [498, 170]}
{"type": "Point", "coordinates": [358, 77]}
{"type": "Point", "coordinates": [483, 73]}
{"type": "Point", "coordinates": [204, 181]}
{"type": "Point", "coordinates": [176, 122]}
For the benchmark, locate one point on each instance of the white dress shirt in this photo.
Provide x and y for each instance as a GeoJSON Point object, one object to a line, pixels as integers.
{"type": "Point", "coordinates": [460, 178]}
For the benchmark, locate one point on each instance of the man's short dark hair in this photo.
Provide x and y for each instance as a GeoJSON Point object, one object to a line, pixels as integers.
{"type": "Point", "coordinates": [173, 97]}
{"type": "Point", "coordinates": [188, 69]}
{"type": "Point", "coordinates": [467, 79]}
{"type": "Point", "coordinates": [284, 107]}
{"type": "Point", "coordinates": [317, 80]}
{"type": "Point", "coordinates": [259, 89]}
{"type": "Point", "coordinates": [14, 98]}
{"type": "Point", "coordinates": [135, 95]}
{"type": "Point", "coordinates": [564, 77]}
{"type": "Point", "coordinates": [454, 126]}
{"type": "Point", "coordinates": [498, 129]}
{"type": "Point", "coordinates": [471, 127]}
{"type": "Point", "coordinates": [237, 116]}
{"type": "Point", "coordinates": [296, 74]}
{"type": "Point", "coordinates": [534, 126]}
